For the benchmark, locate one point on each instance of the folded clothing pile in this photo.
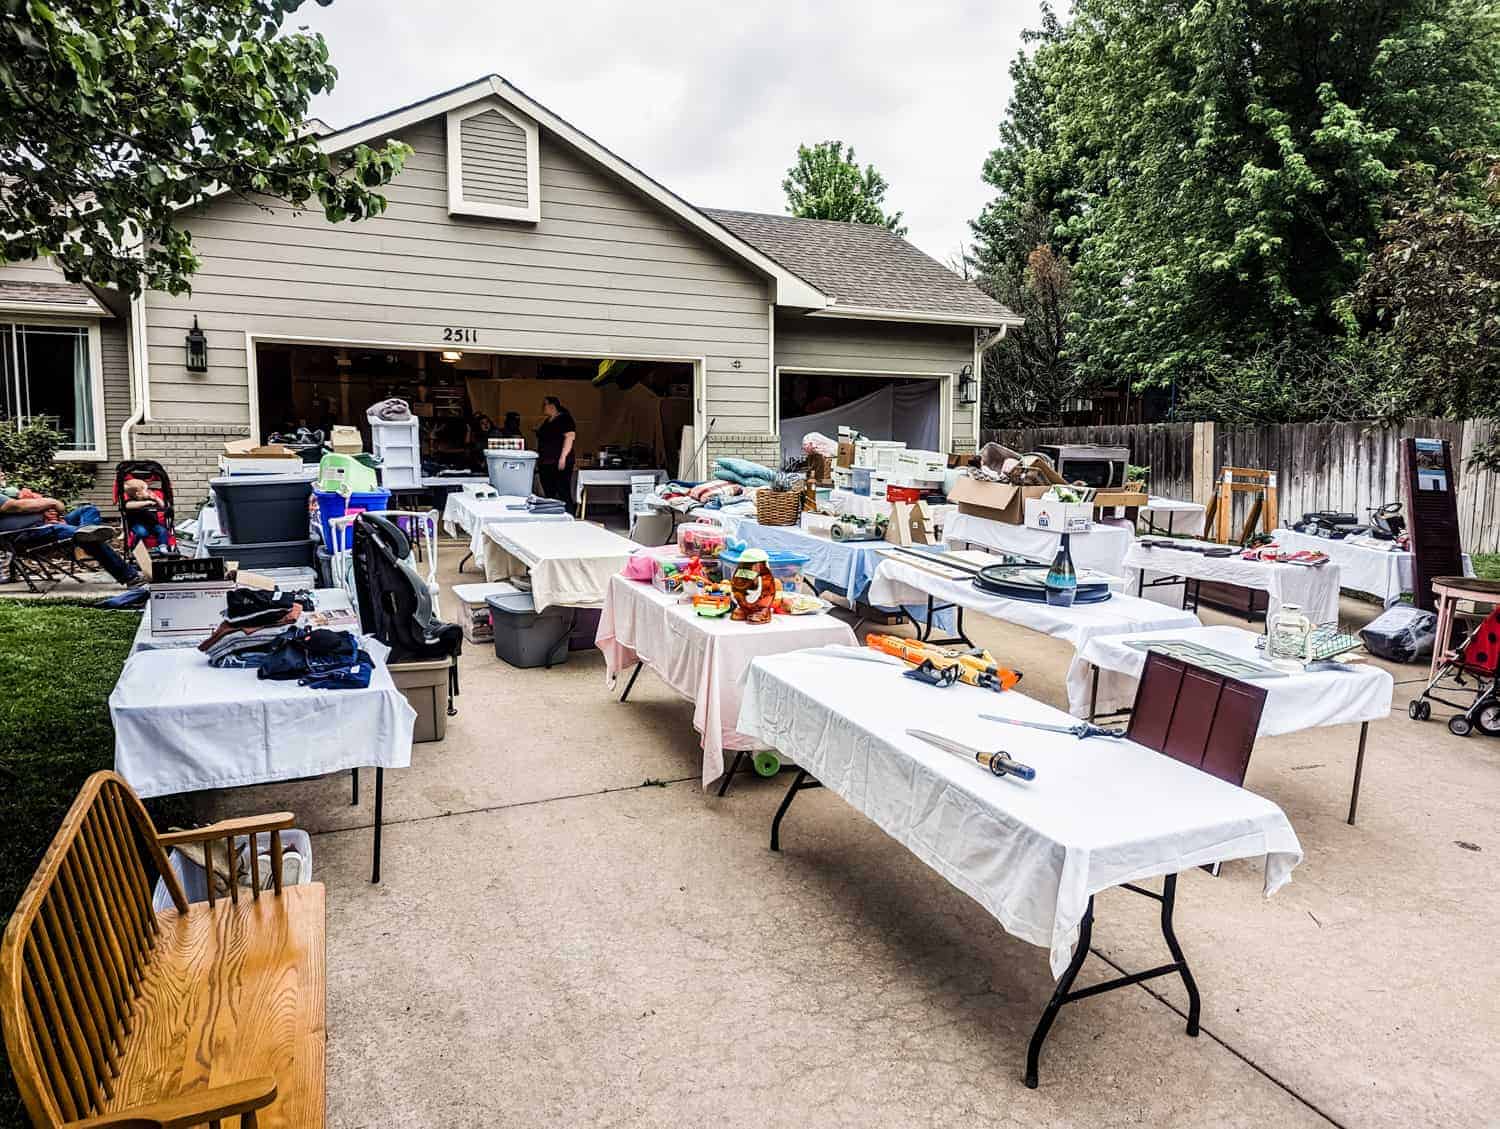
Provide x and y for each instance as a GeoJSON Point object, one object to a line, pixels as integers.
{"type": "Point", "coordinates": [253, 620]}
{"type": "Point", "coordinates": [318, 658]}
{"type": "Point", "coordinates": [743, 472]}
{"type": "Point", "coordinates": [536, 504]}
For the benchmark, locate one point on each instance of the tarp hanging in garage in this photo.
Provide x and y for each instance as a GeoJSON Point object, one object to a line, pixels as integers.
{"type": "Point", "coordinates": [910, 412]}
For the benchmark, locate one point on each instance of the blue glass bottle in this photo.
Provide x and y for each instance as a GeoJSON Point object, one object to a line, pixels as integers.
{"type": "Point", "coordinates": [1062, 578]}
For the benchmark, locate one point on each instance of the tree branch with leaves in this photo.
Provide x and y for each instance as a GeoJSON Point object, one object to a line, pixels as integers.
{"type": "Point", "coordinates": [827, 183]}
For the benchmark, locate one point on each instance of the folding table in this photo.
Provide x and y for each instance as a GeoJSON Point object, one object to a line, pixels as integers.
{"type": "Point", "coordinates": [1100, 812]}
{"type": "Point", "coordinates": [586, 477]}
{"type": "Point", "coordinates": [1102, 548]}
{"type": "Point", "coordinates": [702, 659]}
{"type": "Point", "coordinates": [897, 581]}
{"type": "Point", "coordinates": [1334, 694]}
{"type": "Point", "coordinates": [1171, 509]}
{"type": "Point", "coordinates": [1313, 588]}
{"type": "Point", "coordinates": [504, 510]}
{"type": "Point", "coordinates": [1376, 568]}
{"type": "Point", "coordinates": [184, 726]}
{"type": "Point", "coordinates": [569, 563]}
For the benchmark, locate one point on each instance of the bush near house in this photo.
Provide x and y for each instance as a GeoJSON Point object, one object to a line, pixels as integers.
{"type": "Point", "coordinates": [26, 458]}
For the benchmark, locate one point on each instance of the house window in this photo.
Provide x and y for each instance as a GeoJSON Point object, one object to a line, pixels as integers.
{"type": "Point", "coordinates": [52, 371]}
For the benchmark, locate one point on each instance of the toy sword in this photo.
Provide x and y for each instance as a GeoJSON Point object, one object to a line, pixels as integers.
{"type": "Point", "coordinates": [1081, 730]}
{"type": "Point", "coordinates": [999, 763]}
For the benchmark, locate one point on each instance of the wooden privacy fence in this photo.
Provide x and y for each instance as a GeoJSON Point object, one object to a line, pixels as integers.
{"type": "Point", "coordinates": [1353, 467]}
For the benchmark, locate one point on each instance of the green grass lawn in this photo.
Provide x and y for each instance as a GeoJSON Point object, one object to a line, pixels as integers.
{"type": "Point", "coordinates": [1487, 565]}
{"type": "Point", "coordinates": [59, 663]}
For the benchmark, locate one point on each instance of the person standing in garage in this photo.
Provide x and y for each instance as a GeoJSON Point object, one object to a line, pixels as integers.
{"type": "Point", "coordinates": [554, 445]}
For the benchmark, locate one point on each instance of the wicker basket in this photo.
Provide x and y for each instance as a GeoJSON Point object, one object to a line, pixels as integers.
{"type": "Point", "coordinates": [774, 507]}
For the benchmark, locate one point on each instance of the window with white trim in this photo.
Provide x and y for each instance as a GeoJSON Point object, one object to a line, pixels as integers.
{"type": "Point", "coordinates": [48, 370]}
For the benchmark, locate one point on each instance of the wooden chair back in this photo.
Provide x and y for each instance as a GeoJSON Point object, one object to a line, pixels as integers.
{"type": "Point", "coordinates": [79, 945]}
{"type": "Point", "coordinates": [1195, 716]}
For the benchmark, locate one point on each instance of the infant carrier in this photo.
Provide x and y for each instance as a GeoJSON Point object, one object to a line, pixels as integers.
{"type": "Point", "coordinates": [395, 604]}
{"type": "Point", "coordinates": [159, 489]}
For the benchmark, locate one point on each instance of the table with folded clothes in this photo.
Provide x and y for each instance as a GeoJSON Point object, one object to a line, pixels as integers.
{"type": "Point", "coordinates": [321, 607]}
{"type": "Point", "coordinates": [567, 564]}
{"type": "Point", "coordinates": [702, 659]}
{"type": "Point", "coordinates": [906, 580]}
{"type": "Point", "coordinates": [1102, 547]}
{"type": "Point", "coordinates": [1157, 563]}
{"type": "Point", "coordinates": [506, 509]}
{"type": "Point", "coordinates": [261, 700]}
{"type": "Point", "coordinates": [842, 567]}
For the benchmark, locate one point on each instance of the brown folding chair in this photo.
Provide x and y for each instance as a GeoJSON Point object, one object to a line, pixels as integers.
{"type": "Point", "coordinates": [1192, 715]}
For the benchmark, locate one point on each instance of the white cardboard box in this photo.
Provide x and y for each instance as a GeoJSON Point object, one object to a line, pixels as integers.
{"type": "Point", "coordinates": [188, 609]}
{"type": "Point", "coordinates": [1059, 517]}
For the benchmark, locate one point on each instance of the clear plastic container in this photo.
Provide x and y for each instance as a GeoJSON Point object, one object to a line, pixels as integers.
{"type": "Point", "coordinates": [669, 575]}
{"type": "Point", "coordinates": [786, 567]}
{"type": "Point", "coordinates": [700, 539]}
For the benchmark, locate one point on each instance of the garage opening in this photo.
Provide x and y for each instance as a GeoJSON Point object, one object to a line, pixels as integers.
{"type": "Point", "coordinates": [879, 407]}
{"type": "Point", "coordinates": [629, 413]}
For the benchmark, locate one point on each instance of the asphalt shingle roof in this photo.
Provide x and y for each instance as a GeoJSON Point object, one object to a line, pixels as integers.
{"type": "Point", "coordinates": [16, 293]}
{"type": "Point", "coordinates": [862, 265]}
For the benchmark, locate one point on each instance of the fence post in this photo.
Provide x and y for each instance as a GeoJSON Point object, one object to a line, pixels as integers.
{"type": "Point", "coordinates": [1204, 480]}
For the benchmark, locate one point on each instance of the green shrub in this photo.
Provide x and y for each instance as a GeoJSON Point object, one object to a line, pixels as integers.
{"type": "Point", "coordinates": [26, 458]}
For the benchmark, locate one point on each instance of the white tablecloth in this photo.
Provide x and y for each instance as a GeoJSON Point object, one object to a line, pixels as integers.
{"type": "Point", "coordinates": [1314, 589]}
{"type": "Point", "coordinates": [1350, 693]}
{"type": "Point", "coordinates": [1169, 513]}
{"type": "Point", "coordinates": [181, 725]}
{"type": "Point", "coordinates": [899, 582]}
{"type": "Point", "coordinates": [1102, 548]}
{"type": "Point", "coordinates": [617, 479]}
{"type": "Point", "coordinates": [570, 562]}
{"type": "Point", "coordinates": [858, 505]}
{"type": "Point", "coordinates": [501, 511]}
{"type": "Point", "coordinates": [1100, 812]}
{"type": "Point", "coordinates": [1381, 572]}
{"type": "Point", "coordinates": [704, 660]}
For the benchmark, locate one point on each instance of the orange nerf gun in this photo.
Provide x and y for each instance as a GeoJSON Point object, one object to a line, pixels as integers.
{"type": "Point", "coordinates": [977, 667]}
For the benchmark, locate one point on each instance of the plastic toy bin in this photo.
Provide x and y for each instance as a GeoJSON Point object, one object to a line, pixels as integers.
{"type": "Point", "coordinates": [332, 504]}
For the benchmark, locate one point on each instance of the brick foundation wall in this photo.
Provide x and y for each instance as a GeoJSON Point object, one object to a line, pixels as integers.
{"type": "Point", "coordinates": [190, 452]}
{"type": "Point", "coordinates": [965, 444]}
{"type": "Point", "coordinates": [758, 447]}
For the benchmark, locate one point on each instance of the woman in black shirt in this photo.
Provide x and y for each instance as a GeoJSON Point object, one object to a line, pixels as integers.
{"type": "Point", "coordinates": [554, 444]}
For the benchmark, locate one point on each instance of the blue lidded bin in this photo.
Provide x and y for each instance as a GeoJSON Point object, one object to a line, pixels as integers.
{"type": "Point", "coordinates": [332, 504]}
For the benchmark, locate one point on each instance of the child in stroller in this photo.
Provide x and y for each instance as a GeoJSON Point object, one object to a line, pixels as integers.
{"type": "Point", "coordinates": [144, 494]}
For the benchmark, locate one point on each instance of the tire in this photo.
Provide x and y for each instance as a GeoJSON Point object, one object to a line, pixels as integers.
{"type": "Point", "coordinates": [1460, 726]}
{"type": "Point", "coordinates": [1488, 719]}
{"type": "Point", "coordinates": [1414, 709]}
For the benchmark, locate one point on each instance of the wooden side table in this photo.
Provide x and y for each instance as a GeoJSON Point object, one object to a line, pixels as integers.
{"type": "Point", "coordinates": [1448, 590]}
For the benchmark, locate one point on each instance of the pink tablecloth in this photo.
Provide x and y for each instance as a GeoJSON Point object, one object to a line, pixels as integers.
{"type": "Point", "coordinates": [704, 660]}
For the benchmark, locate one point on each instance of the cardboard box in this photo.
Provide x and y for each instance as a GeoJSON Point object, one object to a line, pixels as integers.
{"type": "Point", "coordinates": [188, 609]}
{"type": "Point", "coordinates": [346, 440]}
{"type": "Point", "coordinates": [1108, 499]}
{"type": "Point", "coordinates": [1058, 517]}
{"type": "Point", "coordinates": [997, 501]}
{"type": "Point", "coordinates": [846, 452]}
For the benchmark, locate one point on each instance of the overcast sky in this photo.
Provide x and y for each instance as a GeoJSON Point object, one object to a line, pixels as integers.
{"type": "Point", "coordinates": [712, 99]}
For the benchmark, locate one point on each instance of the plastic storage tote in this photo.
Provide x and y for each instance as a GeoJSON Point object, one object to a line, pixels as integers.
{"type": "Point", "coordinates": [511, 472]}
{"type": "Point", "coordinates": [257, 508]}
{"type": "Point", "coordinates": [525, 637]}
{"type": "Point", "coordinates": [339, 471]}
{"type": "Point", "coordinates": [398, 446]}
{"type": "Point", "coordinates": [195, 881]}
{"type": "Point", "coordinates": [332, 504]}
{"type": "Point", "coordinates": [786, 566]}
{"type": "Point", "coordinates": [269, 554]}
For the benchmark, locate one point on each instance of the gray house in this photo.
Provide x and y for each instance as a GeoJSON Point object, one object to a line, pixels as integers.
{"type": "Point", "coordinates": [517, 253]}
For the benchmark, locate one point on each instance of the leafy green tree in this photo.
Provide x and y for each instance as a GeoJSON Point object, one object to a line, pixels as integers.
{"type": "Point", "coordinates": [113, 117]}
{"type": "Point", "coordinates": [827, 183]}
{"type": "Point", "coordinates": [26, 460]}
{"type": "Point", "coordinates": [1215, 172]}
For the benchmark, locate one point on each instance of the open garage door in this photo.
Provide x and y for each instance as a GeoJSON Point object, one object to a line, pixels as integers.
{"type": "Point", "coordinates": [908, 409]}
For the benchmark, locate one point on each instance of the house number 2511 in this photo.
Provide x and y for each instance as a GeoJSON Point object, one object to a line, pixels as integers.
{"type": "Point", "coordinates": [466, 336]}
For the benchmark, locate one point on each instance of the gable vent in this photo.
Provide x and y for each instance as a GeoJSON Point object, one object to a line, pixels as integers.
{"type": "Point", "coordinates": [492, 164]}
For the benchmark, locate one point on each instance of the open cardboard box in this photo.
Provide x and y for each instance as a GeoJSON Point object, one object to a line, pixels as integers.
{"type": "Point", "coordinates": [997, 501]}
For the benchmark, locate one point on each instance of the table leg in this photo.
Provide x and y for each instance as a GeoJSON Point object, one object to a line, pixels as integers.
{"type": "Point", "coordinates": [354, 772]}
{"type": "Point", "coordinates": [379, 817]}
{"type": "Point", "coordinates": [1359, 768]}
{"type": "Point", "coordinates": [634, 674]}
{"type": "Point", "coordinates": [739, 758]}
{"type": "Point", "coordinates": [583, 503]}
{"type": "Point", "coordinates": [1140, 582]}
{"type": "Point", "coordinates": [799, 782]}
{"type": "Point", "coordinates": [467, 557]}
{"type": "Point", "coordinates": [1094, 694]}
{"type": "Point", "coordinates": [1063, 995]}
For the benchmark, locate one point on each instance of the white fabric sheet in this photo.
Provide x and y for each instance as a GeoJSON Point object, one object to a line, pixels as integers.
{"type": "Point", "coordinates": [911, 412]}
{"type": "Point", "coordinates": [1100, 812]}
{"type": "Point", "coordinates": [704, 660]}
{"type": "Point", "coordinates": [501, 511]}
{"type": "Point", "coordinates": [897, 582]}
{"type": "Point", "coordinates": [570, 562]}
{"type": "Point", "coordinates": [1102, 548]}
{"type": "Point", "coordinates": [1314, 589]}
{"type": "Point", "coordinates": [857, 505]}
{"type": "Point", "coordinates": [1342, 695]}
{"type": "Point", "coordinates": [181, 725]}
{"type": "Point", "coordinates": [1381, 572]}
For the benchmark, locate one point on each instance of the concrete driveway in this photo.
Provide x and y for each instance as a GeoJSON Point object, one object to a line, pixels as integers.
{"type": "Point", "coordinates": [570, 933]}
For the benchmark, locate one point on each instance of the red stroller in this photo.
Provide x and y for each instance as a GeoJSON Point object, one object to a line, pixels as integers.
{"type": "Point", "coordinates": [1474, 670]}
{"type": "Point", "coordinates": [157, 518]}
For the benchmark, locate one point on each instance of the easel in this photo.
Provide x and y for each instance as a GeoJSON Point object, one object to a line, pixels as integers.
{"type": "Point", "coordinates": [1241, 480]}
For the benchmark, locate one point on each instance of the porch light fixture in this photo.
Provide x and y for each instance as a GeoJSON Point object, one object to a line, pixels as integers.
{"type": "Point", "coordinates": [197, 349]}
{"type": "Point", "coordinates": [968, 387]}
{"type": "Point", "coordinates": [452, 356]}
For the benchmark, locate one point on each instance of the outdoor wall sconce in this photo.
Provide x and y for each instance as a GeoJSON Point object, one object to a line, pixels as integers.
{"type": "Point", "coordinates": [197, 349]}
{"type": "Point", "coordinates": [968, 387]}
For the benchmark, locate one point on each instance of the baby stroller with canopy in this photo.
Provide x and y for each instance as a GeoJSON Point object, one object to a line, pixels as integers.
{"type": "Point", "coordinates": [150, 517]}
{"type": "Point", "coordinates": [1473, 670]}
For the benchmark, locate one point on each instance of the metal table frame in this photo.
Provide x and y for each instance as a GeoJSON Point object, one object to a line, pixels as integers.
{"type": "Point", "coordinates": [379, 815]}
{"type": "Point", "coordinates": [1063, 993]}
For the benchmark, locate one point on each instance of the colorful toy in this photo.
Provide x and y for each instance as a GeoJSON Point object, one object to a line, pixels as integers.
{"type": "Point", "coordinates": [754, 587]}
{"type": "Point", "coordinates": [977, 667]}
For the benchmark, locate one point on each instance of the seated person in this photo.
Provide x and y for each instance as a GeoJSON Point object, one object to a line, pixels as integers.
{"type": "Point", "coordinates": [143, 514]}
{"type": "Point", "coordinates": [44, 521]}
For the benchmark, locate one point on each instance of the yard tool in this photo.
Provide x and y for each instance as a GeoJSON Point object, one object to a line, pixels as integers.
{"type": "Point", "coordinates": [999, 762]}
{"type": "Point", "coordinates": [1080, 730]}
{"type": "Point", "coordinates": [977, 667]}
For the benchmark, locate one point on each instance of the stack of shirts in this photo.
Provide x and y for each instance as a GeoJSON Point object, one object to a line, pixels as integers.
{"type": "Point", "coordinates": [254, 619]}
{"type": "Point", "coordinates": [538, 505]}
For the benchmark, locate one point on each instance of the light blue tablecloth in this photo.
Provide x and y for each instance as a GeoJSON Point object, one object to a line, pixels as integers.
{"type": "Point", "coordinates": [846, 567]}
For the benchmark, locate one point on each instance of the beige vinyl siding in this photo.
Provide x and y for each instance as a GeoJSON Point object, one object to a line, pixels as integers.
{"type": "Point", "coordinates": [848, 345]}
{"type": "Point", "coordinates": [494, 159]}
{"type": "Point", "coordinates": [604, 273]}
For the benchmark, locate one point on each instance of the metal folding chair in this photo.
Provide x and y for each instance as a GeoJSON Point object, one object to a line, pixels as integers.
{"type": "Point", "coordinates": [40, 564]}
